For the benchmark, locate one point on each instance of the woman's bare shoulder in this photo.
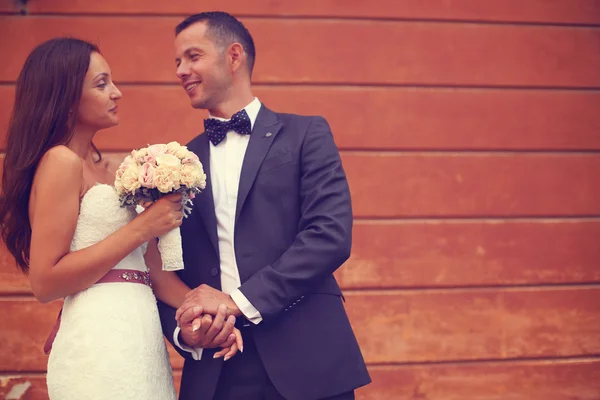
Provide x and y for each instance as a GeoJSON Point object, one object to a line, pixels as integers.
{"type": "Point", "coordinates": [60, 159]}
{"type": "Point", "coordinates": [59, 170]}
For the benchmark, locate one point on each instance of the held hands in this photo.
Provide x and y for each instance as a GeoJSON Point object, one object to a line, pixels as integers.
{"type": "Point", "coordinates": [210, 301]}
{"type": "Point", "coordinates": [204, 331]}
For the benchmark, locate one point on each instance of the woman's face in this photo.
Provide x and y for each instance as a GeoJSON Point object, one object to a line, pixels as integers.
{"type": "Point", "coordinates": [98, 106]}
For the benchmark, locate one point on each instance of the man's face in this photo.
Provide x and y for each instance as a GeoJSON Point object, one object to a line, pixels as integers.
{"type": "Point", "coordinates": [201, 67]}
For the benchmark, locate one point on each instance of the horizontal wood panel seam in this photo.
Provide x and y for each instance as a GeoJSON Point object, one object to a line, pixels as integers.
{"type": "Point", "coordinates": [545, 287]}
{"type": "Point", "coordinates": [475, 220]}
{"type": "Point", "coordinates": [324, 17]}
{"type": "Point", "coordinates": [394, 291]}
{"type": "Point", "coordinates": [531, 361]}
{"type": "Point", "coordinates": [440, 152]}
{"type": "Point", "coordinates": [372, 85]}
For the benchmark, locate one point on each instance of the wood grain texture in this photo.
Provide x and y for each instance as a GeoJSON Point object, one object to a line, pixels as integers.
{"type": "Point", "coordinates": [27, 324]}
{"type": "Point", "coordinates": [471, 185]}
{"type": "Point", "coordinates": [469, 132]}
{"type": "Point", "coordinates": [462, 253]}
{"type": "Point", "coordinates": [418, 326]}
{"type": "Point", "coordinates": [8, 6]}
{"type": "Point", "coordinates": [400, 326]}
{"type": "Point", "coordinates": [422, 53]}
{"type": "Point", "coordinates": [439, 253]}
{"type": "Point", "coordinates": [376, 118]}
{"type": "Point", "coordinates": [12, 280]}
{"type": "Point", "coordinates": [529, 380]}
{"type": "Point", "coordinates": [551, 11]}
{"type": "Point", "coordinates": [23, 386]}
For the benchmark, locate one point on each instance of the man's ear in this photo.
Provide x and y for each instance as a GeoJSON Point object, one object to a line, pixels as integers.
{"type": "Point", "coordinates": [236, 56]}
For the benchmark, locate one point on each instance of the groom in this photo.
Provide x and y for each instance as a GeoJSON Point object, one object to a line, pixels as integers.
{"type": "Point", "coordinates": [265, 237]}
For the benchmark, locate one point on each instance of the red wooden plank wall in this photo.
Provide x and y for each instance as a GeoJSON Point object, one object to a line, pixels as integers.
{"type": "Point", "coordinates": [474, 123]}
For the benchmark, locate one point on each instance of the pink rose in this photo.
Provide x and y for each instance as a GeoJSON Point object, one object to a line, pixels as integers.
{"type": "Point", "coordinates": [124, 165]}
{"type": "Point", "coordinates": [154, 151]}
{"type": "Point", "coordinates": [147, 176]}
{"type": "Point", "coordinates": [190, 158]}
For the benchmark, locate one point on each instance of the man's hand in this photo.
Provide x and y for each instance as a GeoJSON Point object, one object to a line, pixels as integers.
{"type": "Point", "coordinates": [204, 331]}
{"type": "Point", "coordinates": [209, 299]}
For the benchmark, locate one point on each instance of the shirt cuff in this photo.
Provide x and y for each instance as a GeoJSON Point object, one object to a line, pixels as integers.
{"type": "Point", "coordinates": [196, 351]}
{"type": "Point", "coordinates": [246, 307]}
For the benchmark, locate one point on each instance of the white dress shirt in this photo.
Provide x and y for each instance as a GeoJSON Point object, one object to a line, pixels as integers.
{"type": "Point", "coordinates": [225, 168]}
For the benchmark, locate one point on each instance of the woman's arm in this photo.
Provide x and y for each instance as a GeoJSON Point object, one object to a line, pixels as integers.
{"type": "Point", "coordinates": [56, 272]}
{"type": "Point", "coordinates": [167, 286]}
{"type": "Point", "coordinates": [171, 290]}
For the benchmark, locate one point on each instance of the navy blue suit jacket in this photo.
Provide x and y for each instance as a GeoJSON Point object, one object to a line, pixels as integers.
{"type": "Point", "coordinates": [293, 229]}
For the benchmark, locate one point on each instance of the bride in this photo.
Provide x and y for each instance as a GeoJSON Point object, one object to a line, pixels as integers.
{"type": "Point", "coordinates": [61, 219]}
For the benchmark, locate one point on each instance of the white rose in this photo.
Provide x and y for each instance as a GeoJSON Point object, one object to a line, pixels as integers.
{"type": "Point", "coordinates": [192, 176]}
{"type": "Point", "coordinates": [140, 155]}
{"type": "Point", "coordinates": [177, 150]}
{"type": "Point", "coordinates": [182, 152]}
{"type": "Point", "coordinates": [172, 147]}
{"type": "Point", "coordinates": [119, 186]}
{"type": "Point", "coordinates": [119, 173]}
{"type": "Point", "coordinates": [154, 151]}
{"type": "Point", "coordinates": [130, 178]}
{"type": "Point", "coordinates": [166, 178]}
{"type": "Point", "coordinates": [168, 160]}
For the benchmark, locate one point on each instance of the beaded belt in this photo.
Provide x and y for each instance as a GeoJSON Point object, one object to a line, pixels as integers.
{"type": "Point", "coordinates": [114, 275]}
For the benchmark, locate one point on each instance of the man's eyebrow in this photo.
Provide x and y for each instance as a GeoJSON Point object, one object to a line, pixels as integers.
{"type": "Point", "coordinates": [192, 48]}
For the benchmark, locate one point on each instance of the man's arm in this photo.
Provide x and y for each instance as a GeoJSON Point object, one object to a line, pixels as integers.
{"type": "Point", "coordinates": [325, 237]}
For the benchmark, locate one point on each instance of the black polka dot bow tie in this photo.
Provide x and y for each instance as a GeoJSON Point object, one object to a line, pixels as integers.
{"type": "Point", "coordinates": [217, 130]}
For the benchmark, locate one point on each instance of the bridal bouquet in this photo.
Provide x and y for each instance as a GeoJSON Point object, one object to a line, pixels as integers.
{"type": "Point", "coordinates": [157, 170]}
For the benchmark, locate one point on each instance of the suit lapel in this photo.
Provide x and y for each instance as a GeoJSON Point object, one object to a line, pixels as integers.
{"type": "Point", "coordinates": [265, 129]}
{"type": "Point", "coordinates": [204, 202]}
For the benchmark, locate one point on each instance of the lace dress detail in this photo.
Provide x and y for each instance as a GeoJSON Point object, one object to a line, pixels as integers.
{"type": "Point", "coordinates": [110, 343]}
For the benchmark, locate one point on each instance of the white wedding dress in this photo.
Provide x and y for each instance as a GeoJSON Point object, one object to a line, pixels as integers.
{"type": "Point", "coordinates": [110, 344]}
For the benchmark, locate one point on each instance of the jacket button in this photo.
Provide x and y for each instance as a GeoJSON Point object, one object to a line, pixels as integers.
{"type": "Point", "coordinates": [214, 272]}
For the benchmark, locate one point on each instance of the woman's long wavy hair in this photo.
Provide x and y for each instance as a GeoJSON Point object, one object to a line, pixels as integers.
{"type": "Point", "coordinates": [48, 93]}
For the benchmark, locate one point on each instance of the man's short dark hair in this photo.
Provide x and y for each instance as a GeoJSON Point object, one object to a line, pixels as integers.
{"type": "Point", "coordinates": [225, 30]}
